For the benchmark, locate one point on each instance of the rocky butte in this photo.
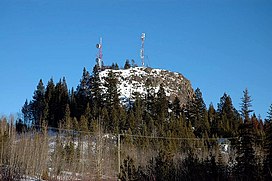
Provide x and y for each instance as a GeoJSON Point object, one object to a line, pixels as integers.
{"type": "Point", "coordinates": [139, 79]}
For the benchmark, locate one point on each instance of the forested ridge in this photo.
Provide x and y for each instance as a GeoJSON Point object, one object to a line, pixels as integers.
{"type": "Point", "coordinates": [161, 139]}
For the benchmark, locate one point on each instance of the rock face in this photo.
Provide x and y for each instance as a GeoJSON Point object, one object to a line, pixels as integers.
{"type": "Point", "coordinates": [140, 79]}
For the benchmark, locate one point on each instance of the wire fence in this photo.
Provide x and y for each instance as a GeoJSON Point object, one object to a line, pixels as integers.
{"type": "Point", "coordinates": [64, 154]}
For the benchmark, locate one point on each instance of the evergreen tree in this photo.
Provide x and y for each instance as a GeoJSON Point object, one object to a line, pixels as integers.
{"type": "Point", "coordinates": [131, 122]}
{"type": "Point", "coordinates": [150, 124]}
{"type": "Point", "coordinates": [114, 121]}
{"type": "Point", "coordinates": [104, 120]}
{"type": "Point", "coordinates": [197, 114]}
{"type": "Point", "coordinates": [127, 64]}
{"type": "Point", "coordinates": [212, 120]}
{"type": "Point", "coordinates": [88, 113]}
{"type": "Point", "coordinates": [133, 63]}
{"type": "Point", "coordinates": [83, 125]}
{"type": "Point", "coordinates": [50, 97]}
{"type": "Point", "coordinates": [111, 96]}
{"type": "Point", "coordinates": [83, 93]}
{"type": "Point", "coordinates": [20, 126]}
{"type": "Point", "coordinates": [138, 111]}
{"type": "Point", "coordinates": [128, 170]}
{"type": "Point", "coordinates": [246, 168]}
{"type": "Point", "coordinates": [26, 112]}
{"type": "Point", "coordinates": [246, 162]}
{"type": "Point", "coordinates": [245, 105]}
{"type": "Point", "coordinates": [161, 109]}
{"type": "Point", "coordinates": [60, 101]}
{"type": "Point", "coordinates": [191, 168]}
{"type": "Point", "coordinates": [269, 116]}
{"type": "Point", "coordinates": [116, 66]}
{"type": "Point", "coordinates": [37, 106]}
{"type": "Point", "coordinates": [164, 167]}
{"type": "Point", "coordinates": [150, 101]}
{"type": "Point", "coordinates": [211, 168]}
{"type": "Point", "coordinates": [73, 103]}
{"type": "Point", "coordinates": [161, 103]}
{"type": "Point", "coordinates": [75, 124]}
{"type": "Point", "coordinates": [122, 119]}
{"type": "Point", "coordinates": [268, 147]}
{"type": "Point", "coordinates": [67, 118]}
{"type": "Point", "coordinates": [228, 117]}
{"type": "Point", "coordinates": [176, 107]}
{"type": "Point", "coordinates": [96, 92]}
{"type": "Point", "coordinates": [112, 102]}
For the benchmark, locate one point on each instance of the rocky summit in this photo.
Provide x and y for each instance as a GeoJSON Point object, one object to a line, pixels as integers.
{"type": "Point", "coordinates": [140, 79]}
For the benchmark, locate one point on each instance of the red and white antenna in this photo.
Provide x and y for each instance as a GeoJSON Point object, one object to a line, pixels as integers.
{"type": "Point", "coordinates": [142, 49]}
{"type": "Point", "coordinates": [99, 55]}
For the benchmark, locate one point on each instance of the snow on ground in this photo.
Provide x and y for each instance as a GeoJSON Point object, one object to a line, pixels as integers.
{"type": "Point", "coordinates": [28, 178]}
{"type": "Point", "coordinates": [127, 86]}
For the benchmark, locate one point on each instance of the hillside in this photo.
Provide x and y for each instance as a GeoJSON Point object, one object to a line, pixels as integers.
{"type": "Point", "coordinates": [80, 135]}
{"type": "Point", "coordinates": [139, 79]}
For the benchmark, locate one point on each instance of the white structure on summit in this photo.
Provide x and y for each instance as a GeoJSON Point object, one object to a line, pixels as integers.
{"type": "Point", "coordinates": [99, 55]}
{"type": "Point", "coordinates": [142, 49]}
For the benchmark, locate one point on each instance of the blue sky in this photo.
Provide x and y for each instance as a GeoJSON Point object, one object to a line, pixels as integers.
{"type": "Point", "coordinates": [219, 45]}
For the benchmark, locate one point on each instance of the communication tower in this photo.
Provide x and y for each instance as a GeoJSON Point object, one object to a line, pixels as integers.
{"type": "Point", "coordinates": [99, 55]}
{"type": "Point", "coordinates": [142, 49]}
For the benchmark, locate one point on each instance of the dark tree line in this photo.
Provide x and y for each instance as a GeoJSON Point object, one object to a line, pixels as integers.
{"type": "Point", "coordinates": [248, 164]}
{"type": "Point", "coordinates": [88, 107]}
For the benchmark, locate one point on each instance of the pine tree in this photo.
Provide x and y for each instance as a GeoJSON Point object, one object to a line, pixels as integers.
{"type": "Point", "coordinates": [96, 92]}
{"type": "Point", "coordinates": [268, 147]}
{"type": "Point", "coordinates": [67, 118]}
{"type": "Point", "coordinates": [114, 122]}
{"type": "Point", "coordinates": [138, 111]}
{"type": "Point", "coordinates": [161, 104]}
{"type": "Point", "coordinates": [131, 122]}
{"type": "Point", "coordinates": [269, 117]}
{"type": "Point", "coordinates": [104, 120]}
{"type": "Point", "coordinates": [26, 112]}
{"type": "Point", "coordinates": [83, 122]}
{"type": "Point", "coordinates": [127, 64]}
{"type": "Point", "coordinates": [133, 63]}
{"type": "Point", "coordinates": [212, 120]}
{"type": "Point", "coordinates": [60, 100]}
{"type": "Point", "coordinates": [50, 100]}
{"type": "Point", "coordinates": [164, 167]}
{"type": "Point", "coordinates": [73, 103]}
{"type": "Point", "coordinates": [246, 162]}
{"type": "Point", "coordinates": [83, 93]}
{"type": "Point", "coordinates": [75, 124]}
{"type": "Point", "coordinates": [38, 104]}
{"type": "Point", "coordinates": [228, 116]}
{"type": "Point", "coordinates": [245, 105]}
{"type": "Point", "coordinates": [150, 101]}
{"type": "Point", "coordinates": [111, 96]}
{"type": "Point", "coordinates": [176, 107]}
{"type": "Point", "coordinates": [116, 66]}
{"type": "Point", "coordinates": [128, 170]}
{"type": "Point", "coordinates": [197, 114]}
{"type": "Point", "coordinates": [122, 119]}
{"type": "Point", "coordinates": [150, 124]}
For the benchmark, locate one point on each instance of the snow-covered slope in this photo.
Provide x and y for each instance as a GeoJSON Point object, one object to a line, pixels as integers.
{"type": "Point", "coordinates": [139, 79]}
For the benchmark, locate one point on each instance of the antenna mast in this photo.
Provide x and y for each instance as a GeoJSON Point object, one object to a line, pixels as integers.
{"type": "Point", "coordinates": [99, 55]}
{"type": "Point", "coordinates": [142, 49]}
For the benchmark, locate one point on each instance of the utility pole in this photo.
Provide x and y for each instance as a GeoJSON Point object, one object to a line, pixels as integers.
{"type": "Point", "coordinates": [119, 154]}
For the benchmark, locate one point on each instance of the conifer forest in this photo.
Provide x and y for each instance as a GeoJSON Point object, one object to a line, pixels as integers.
{"type": "Point", "coordinates": [88, 133]}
